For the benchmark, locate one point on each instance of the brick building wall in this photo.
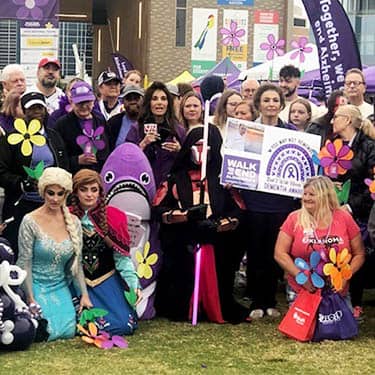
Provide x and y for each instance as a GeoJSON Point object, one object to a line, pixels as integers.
{"type": "Point", "coordinates": [165, 61]}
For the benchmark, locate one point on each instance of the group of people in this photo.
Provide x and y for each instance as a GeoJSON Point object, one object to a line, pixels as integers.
{"type": "Point", "coordinates": [54, 145]}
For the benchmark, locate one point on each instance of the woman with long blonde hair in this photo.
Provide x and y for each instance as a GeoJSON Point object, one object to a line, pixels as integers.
{"type": "Point", "coordinates": [50, 243]}
{"type": "Point", "coordinates": [359, 134]}
{"type": "Point", "coordinates": [319, 225]}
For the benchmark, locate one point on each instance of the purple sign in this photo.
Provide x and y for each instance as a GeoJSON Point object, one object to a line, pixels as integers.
{"type": "Point", "coordinates": [336, 42]}
{"type": "Point", "coordinates": [30, 10]}
{"type": "Point", "coordinates": [240, 172]}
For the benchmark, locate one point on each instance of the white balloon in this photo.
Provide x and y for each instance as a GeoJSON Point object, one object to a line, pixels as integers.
{"type": "Point", "coordinates": [7, 338]}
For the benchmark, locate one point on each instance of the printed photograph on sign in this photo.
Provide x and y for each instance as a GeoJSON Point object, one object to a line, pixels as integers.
{"type": "Point", "coordinates": [267, 158]}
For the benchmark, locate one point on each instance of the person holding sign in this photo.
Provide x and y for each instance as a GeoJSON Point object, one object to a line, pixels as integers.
{"type": "Point", "coordinates": [265, 214]}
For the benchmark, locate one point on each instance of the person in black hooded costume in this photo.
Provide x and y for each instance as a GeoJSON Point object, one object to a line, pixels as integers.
{"type": "Point", "coordinates": [186, 223]}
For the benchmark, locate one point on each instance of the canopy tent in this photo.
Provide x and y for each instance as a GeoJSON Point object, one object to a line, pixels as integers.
{"type": "Point", "coordinates": [262, 71]}
{"type": "Point", "coordinates": [225, 68]}
{"type": "Point", "coordinates": [312, 79]}
{"type": "Point", "coordinates": [184, 77]}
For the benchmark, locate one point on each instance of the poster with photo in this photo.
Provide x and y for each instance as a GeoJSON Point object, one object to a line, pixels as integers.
{"type": "Point", "coordinates": [267, 158]}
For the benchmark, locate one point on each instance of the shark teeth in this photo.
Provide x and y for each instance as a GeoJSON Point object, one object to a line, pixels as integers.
{"type": "Point", "coordinates": [126, 186]}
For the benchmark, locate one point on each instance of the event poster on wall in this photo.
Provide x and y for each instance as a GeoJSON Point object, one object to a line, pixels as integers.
{"type": "Point", "coordinates": [235, 26]}
{"type": "Point", "coordinates": [204, 41]}
{"type": "Point", "coordinates": [265, 23]}
{"type": "Point", "coordinates": [267, 158]}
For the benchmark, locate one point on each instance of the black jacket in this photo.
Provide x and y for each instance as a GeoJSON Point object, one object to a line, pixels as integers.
{"type": "Point", "coordinates": [12, 162]}
{"type": "Point", "coordinates": [363, 163]}
{"type": "Point", "coordinates": [69, 128]}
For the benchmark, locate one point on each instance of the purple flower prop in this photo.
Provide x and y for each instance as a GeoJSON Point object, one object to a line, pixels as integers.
{"type": "Point", "coordinates": [301, 49]}
{"type": "Point", "coordinates": [232, 34]}
{"type": "Point", "coordinates": [335, 157]}
{"type": "Point", "coordinates": [91, 139]}
{"type": "Point", "coordinates": [30, 8]}
{"type": "Point", "coordinates": [273, 47]}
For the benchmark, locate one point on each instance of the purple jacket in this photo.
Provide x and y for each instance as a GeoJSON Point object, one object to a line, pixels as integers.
{"type": "Point", "coordinates": [161, 160]}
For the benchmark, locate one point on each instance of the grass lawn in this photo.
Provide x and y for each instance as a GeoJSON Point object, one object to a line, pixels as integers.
{"type": "Point", "coordinates": [162, 347]}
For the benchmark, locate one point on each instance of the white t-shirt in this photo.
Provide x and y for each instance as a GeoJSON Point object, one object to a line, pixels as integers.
{"type": "Point", "coordinates": [366, 109]}
{"type": "Point", "coordinates": [114, 111]}
{"type": "Point", "coordinates": [53, 100]}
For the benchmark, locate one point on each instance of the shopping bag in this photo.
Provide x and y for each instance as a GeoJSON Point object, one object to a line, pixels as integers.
{"type": "Point", "coordinates": [299, 321]}
{"type": "Point", "coordinates": [335, 320]}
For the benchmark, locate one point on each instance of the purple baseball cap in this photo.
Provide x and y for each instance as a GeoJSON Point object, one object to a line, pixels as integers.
{"type": "Point", "coordinates": [81, 92]}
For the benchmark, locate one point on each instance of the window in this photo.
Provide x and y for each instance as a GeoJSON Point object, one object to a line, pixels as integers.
{"type": "Point", "coordinates": [180, 23]}
{"type": "Point", "coordinates": [8, 42]}
{"type": "Point", "coordinates": [79, 33]}
{"type": "Point", "coordinates": [299, 22]}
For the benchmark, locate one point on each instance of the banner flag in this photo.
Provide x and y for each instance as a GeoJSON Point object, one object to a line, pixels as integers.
{"type": "Point", "coordinates": [336, 42]}
{"type": "Point", "coordinates": [122, 64]}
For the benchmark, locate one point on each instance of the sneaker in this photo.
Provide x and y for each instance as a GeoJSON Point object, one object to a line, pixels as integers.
{"type": "Point", "coordinates": [273, 313]}
{"type": "Point", "coordinates": [358, 313]}
{"type": "Point", "coordinates": [256, 314]}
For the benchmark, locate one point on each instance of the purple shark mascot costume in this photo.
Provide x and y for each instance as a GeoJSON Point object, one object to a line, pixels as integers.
{"type": "Point", "coordinates": [130, 186]}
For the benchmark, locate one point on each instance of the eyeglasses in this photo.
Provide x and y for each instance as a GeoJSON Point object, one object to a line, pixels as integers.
{"type": "Point", "coordinates": [353, 83]}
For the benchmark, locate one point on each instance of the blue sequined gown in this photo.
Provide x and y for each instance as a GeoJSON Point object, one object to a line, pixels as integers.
{"type": "Point", "coordinates": [48, 262]}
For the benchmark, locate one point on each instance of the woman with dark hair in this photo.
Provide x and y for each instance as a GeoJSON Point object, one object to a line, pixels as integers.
{"type": "Point", "coordinates": [157, 133]}
{"type": "Point", "coordinates": [107, 266]}
{"type": "Point", "coordinates": [323, 125]}
{"type": "Point", "coordinates": [264, 216]}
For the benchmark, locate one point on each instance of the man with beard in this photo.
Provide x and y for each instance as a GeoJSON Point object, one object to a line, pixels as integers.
{"type": "Point", "coordinates": [48, 75]}
{"type": "Point", "coordinates": [289, 80]}
{"type": "Point", "coordinates": [119, 125]}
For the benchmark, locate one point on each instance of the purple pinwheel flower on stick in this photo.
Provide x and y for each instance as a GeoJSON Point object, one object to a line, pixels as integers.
{"type": "Point", "coordinates": [335, 157]}
{"type": "Point", "coordinates": [302, 48]}
{"type": "Point", "coordinates": [30, 8]}
{"type": "Point", "coordinates": [231, 36]}
{"type": "Point", "coordinates": [90, 140]}
{"type": "Point", "coordinates": [273, 47]}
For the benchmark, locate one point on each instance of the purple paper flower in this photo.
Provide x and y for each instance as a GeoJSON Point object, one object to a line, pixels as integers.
{"type": "Point", "coordinates": [232, 34]}
{"type": "Point", "coordinates": [30, 8]}
{"type": "Point", "coordinates": [91, 138]}
{"type": "Point", "coordinates": [273, 47]}
{"type": "Point", "coordinates": [300, 44]}
{"type": "Point", "coordinates": [335, 157]}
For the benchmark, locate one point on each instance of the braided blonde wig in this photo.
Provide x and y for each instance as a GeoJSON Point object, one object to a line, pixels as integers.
{"type": "Point", "coordinates": [62, 178]}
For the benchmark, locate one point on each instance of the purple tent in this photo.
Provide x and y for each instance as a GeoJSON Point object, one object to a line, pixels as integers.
{"type": "Point", "coordinates": [225, 68]}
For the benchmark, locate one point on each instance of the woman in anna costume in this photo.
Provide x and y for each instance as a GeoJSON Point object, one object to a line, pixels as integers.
{"type": "Point", "coordinates": [185, 223]}
{"type": "Point", "coordinates": [108, 268]}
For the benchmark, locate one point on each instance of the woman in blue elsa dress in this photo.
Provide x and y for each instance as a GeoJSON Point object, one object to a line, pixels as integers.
{"type": "Point", "coordinates": [108, 268]}
{"type": "Point", "coordinates": [50, 243]}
